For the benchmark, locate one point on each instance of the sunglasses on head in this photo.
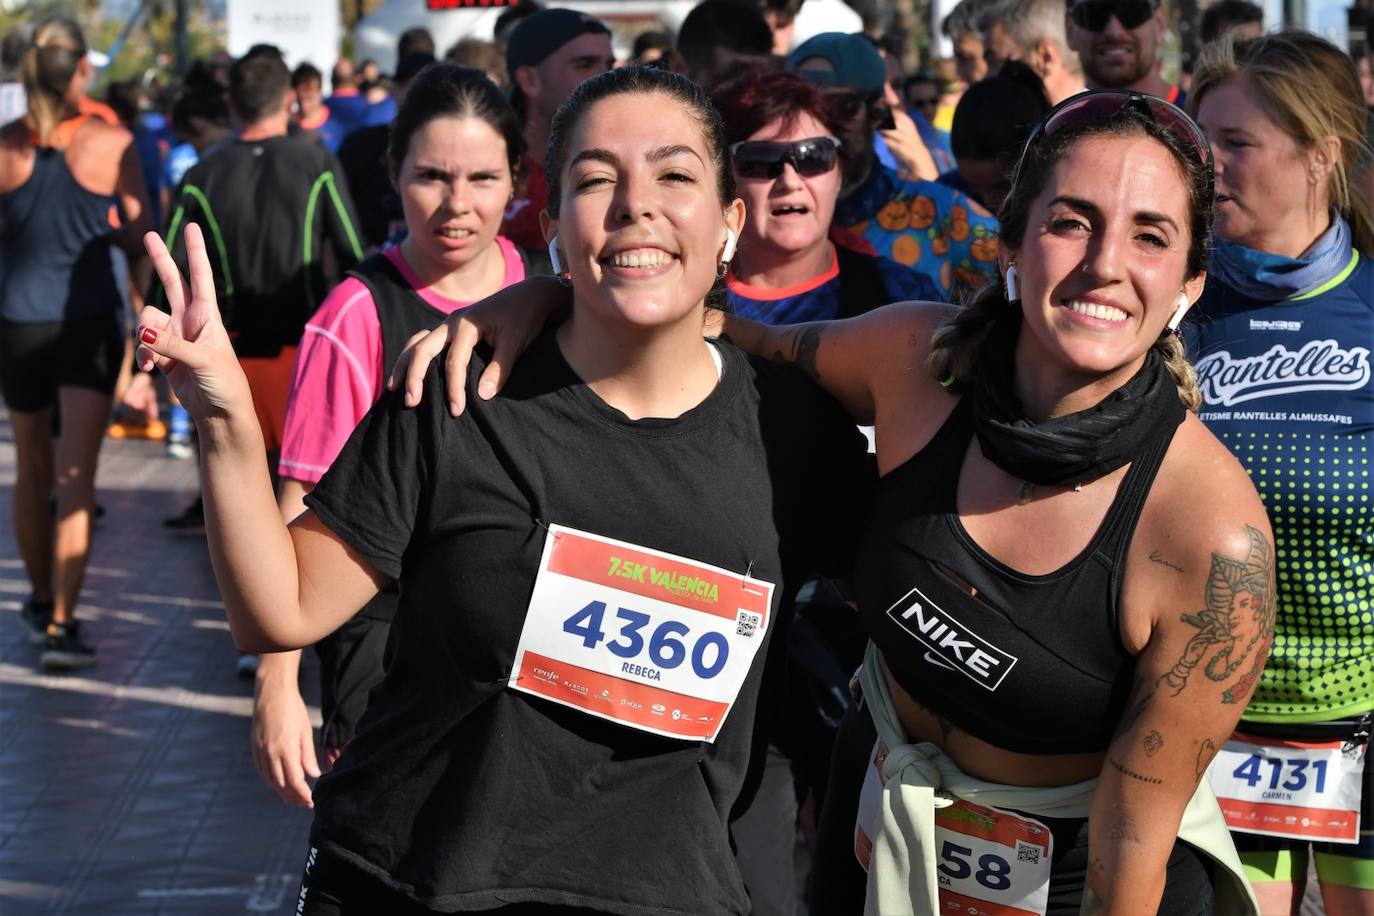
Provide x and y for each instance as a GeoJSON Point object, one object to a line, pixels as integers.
{"type": "Point", "coordinates": [1094, 14]}
{"type": "Point", "coordinates": [765, 158]}
{"type": "Point", "coordinates": [1100, 105]}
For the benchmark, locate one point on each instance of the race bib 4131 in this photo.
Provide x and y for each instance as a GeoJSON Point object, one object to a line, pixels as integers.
{"type": "Point", "coordinates": [653, 641]}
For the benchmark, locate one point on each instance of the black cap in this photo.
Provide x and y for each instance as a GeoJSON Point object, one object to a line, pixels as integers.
{"type": "Point", "coordinates": [538, 36]}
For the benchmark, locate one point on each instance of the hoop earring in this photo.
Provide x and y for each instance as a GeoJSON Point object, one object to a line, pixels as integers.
{"type": "Point", "coordinates": [1013, 284]}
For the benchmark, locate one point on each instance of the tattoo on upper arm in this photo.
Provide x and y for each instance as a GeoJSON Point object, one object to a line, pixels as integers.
{"type": "Point", "coordinates": [1157, 557]}
{"type": "Point", "coordinates": [1153, 742]}
{"type": "Point", "coordinates": [1127, 771]}
{"type": "Point", "coordinates": [1236, 625]}
{"type": "Point", "coordinates": [1205, 755]}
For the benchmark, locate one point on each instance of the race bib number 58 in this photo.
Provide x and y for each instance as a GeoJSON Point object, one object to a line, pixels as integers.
{"type": "Point", "coordinates": [653, 641]}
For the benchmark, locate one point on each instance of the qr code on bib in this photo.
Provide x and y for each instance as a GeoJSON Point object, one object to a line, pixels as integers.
{"type": "Point", "coordinates": [1027, 852]}
{"type": "Point", "coordinates": [748, 624]}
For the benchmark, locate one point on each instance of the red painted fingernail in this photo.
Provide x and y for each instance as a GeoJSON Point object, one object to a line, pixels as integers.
{"type": "Point", "coordinates": [148, 336]}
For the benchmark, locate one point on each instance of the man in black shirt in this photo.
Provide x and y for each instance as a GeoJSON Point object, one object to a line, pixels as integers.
{"type": "Point", "coordinates": [281, 228]}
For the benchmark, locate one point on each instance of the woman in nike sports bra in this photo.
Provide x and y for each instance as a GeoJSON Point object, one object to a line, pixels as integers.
{"type": "Point", "coordinates": [68, 180]}
{"type": "Point", "coordinates": [1067, 579]}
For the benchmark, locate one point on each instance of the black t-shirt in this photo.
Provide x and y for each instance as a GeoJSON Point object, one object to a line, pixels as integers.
{"type": "Point", "coordinates": [467, 795]}
{"type": "Point", "coordinates": [279, 229]}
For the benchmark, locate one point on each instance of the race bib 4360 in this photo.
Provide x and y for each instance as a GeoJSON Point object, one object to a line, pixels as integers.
{"type": "Point", "coordinates": [653, 641]}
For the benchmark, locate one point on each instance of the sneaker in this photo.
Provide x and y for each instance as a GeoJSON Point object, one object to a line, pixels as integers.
{"type": "Point", "coordinates": [190, 523]}
{"type": "Point", "coordinates": [179, 447]}
{"type": "Point", "coordinates": [35, 616]}
{"type": "Point", "coordinates": [64, 650]}
{"type": "Point", "coordinates": [247, 666]}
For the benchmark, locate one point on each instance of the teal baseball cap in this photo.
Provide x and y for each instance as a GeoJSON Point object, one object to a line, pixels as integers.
{"type": "Point", "coordinates": [840, 59]}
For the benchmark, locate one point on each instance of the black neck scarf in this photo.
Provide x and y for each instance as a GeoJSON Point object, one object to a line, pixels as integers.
{"type": "Point", "coordinates": [1077, 447]}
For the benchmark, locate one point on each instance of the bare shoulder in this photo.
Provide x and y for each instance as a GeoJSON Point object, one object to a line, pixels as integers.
{"type": "Point", "coordinates": [96, 155]}
{"type": "Point", "coordinates": [1201, 482]}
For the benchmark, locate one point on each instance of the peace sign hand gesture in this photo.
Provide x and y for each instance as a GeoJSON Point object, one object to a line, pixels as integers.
{"type": "Point", "coordinates": [190, 345]}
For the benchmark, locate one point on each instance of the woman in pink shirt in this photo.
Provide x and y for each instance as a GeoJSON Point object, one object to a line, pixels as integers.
{"type": "Point", "coordinates": [452, 152]}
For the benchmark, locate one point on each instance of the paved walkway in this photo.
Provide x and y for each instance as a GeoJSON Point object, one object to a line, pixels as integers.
{"type": "Point", "coordinates": [128, 787]}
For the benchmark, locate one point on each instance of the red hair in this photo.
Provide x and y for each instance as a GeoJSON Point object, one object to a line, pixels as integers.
{"type": "Point", "coordinates": [757, 98]}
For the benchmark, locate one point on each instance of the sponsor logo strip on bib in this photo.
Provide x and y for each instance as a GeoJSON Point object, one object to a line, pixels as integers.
{"type": "Point", "coordinates": [1301, 790]}
{"type": "Point", "coordinates": [654, 641]}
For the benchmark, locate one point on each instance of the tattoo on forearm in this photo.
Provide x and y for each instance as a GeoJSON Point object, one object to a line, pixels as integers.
{"type": "Point", "coordinates": [1153, 742]}
{"type": "Point", "coordinates": [1127, 771]}
{"type": "Point", "coordinates": [1157, 557]}
{"type": "Point", "coordinates": [1205, 755]}
{"type": "Point", "coordinates": [1236, 625]}
{"type": "Point", "coordinates": [800, 349]}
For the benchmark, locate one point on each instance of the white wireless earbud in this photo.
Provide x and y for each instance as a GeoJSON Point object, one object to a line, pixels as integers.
{"type": "Point", "coordinates": [1013, 287]}
{"type": "Point", "coordinates": [731, 240]}
{"type": "Point", "coordinates": [1183, 306]}
{"type": "Point", "coordinates": [553, 256]}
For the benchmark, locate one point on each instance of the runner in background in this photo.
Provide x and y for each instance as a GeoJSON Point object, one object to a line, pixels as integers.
{"type": "Point", "coordinates": [454, 149]}
{"type": "Point", "coordinates": [788, 161]}
{"type": "Point", "coordinates": [1118, 44]}
{"type": "Point", "coordinates": [282, 229]}
{"type": "Point", "coordinates": [990, 129]}
{"type": "Point", "coordinates": [523, 738]}
{"type": "Point", "coordinates": [964, 28]}
{"type": "Point", "coordinates": [548, 54]}
{"type": "Point", "coordinates": [1032, 31]}
{"type": "Point", "coordinates": [70, 185]}
{"type": "Point", "coordinates": [310, 109]}
{"type": "Point", "coordinates": [1284, 365]}
{"type": "Point", "coordinates": [921, 224]}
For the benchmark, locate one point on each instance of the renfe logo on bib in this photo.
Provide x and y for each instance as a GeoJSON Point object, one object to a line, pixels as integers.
{"type": "Point", "coordinates": [637, 636]}
{"type": "Point", "coordinates": [953, 645]}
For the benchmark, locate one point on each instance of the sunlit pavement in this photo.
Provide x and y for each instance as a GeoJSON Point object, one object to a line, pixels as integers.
{"type": "Point", "coordinates": [128, 787]}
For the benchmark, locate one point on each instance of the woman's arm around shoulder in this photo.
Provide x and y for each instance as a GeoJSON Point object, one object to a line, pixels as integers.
{"type": "Point", "coordinates": [1198, 606]}
{"type": "Point", "coordinates": [858, 360]}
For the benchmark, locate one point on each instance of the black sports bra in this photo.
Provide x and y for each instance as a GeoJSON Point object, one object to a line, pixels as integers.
{"type": "Point", "coordinates": [1032, 664]}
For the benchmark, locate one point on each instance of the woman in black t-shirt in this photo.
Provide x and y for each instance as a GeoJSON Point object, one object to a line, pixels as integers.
{"type": "Point", "coordinates": [589, 565]}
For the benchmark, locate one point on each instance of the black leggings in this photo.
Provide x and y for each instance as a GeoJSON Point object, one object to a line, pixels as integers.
{"type": "Point", "coordinates": [838, 882]}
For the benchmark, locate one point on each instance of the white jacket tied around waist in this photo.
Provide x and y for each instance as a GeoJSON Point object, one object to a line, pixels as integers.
{"type": "Point", "coordinates": [919, 778]}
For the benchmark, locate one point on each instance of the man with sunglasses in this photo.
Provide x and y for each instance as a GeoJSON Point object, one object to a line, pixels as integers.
{"type": "Point", "coordinates": [919, 223]}
{"type": "Point", "coordinates": [1118, 44]}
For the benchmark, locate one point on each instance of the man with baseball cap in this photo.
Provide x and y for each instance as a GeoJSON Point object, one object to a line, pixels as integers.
{"type": "Point", "coordinates": [549, 53]}
{"type": "Point", "coordinates": [921, 223]}
{"type": "Point", "coordinates": [1118, 43]}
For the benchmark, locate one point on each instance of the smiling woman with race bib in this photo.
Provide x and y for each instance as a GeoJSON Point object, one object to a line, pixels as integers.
{"type": "Point", "coordinates": [590, 565]}
{"type": "Point", "coordinates": [1284, 363]}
